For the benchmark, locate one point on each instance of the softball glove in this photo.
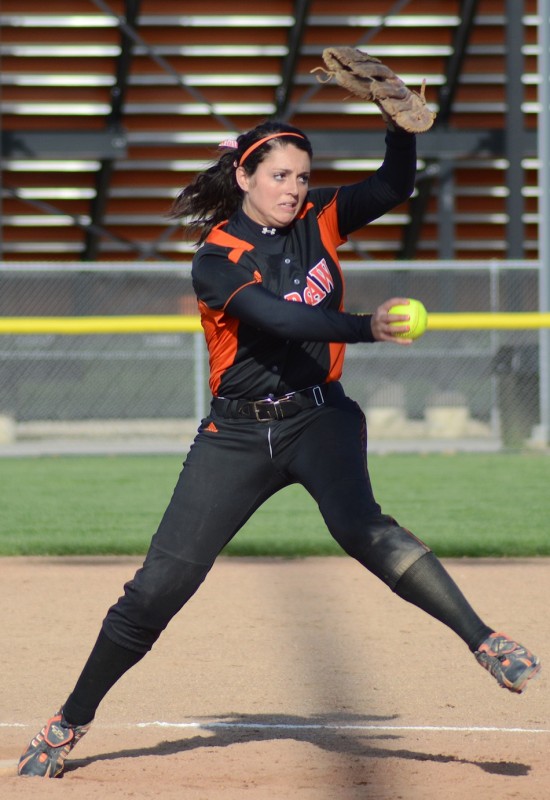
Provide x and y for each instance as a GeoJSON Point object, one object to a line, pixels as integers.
{"type": "Point", "coordinates": [367, 77]}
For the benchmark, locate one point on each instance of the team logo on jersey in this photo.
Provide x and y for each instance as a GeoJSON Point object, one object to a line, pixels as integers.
{"type": "Point", "coordinates": [319, 283]}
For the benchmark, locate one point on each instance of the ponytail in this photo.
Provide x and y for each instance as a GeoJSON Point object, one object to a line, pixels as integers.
{"type": "Point", "coordinates": [210, 198]}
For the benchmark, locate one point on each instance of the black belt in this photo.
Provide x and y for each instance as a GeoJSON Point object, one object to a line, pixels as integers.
{"type": "Point", "coordinates": [270, 408]}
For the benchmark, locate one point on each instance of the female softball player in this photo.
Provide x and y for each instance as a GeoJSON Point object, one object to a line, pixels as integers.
{"type": "Point", "coordinates": [270, 293]}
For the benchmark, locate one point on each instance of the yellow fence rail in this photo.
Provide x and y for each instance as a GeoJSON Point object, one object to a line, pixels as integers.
{"type": "Point", "coordinates": [74, 326]}
{"type": "Point", "coordinates": [488, 321]}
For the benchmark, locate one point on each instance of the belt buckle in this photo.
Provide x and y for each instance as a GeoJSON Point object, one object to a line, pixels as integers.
{"type": "Point", "coordinates": [267, 405]}
{"type": "Point", "coordinates": [274, 405]}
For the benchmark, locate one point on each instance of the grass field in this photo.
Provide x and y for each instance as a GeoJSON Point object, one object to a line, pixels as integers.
{"type": "Point", "coordinates": [461, 505]}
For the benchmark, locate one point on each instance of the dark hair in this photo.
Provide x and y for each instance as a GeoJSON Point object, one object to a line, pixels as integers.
{"type": "Point", "coordinates": [214, 194]}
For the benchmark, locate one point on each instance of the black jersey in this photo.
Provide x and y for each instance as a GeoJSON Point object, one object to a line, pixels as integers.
{"type": "Point", "coordinates": [272, 300]}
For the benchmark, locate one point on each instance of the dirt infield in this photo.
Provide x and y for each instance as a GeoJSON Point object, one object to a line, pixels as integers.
{"type": "Point", "coordinates": [281, 679]}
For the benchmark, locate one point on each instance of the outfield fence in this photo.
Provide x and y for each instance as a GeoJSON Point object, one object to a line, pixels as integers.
{"type": "Point", "coordinates": [106, 342]}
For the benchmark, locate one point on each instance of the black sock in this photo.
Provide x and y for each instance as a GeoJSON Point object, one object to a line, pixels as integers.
{"type": "Point", "coordinates": [106, 664]}
{"type": "Point", "coordinates": [429, 586]}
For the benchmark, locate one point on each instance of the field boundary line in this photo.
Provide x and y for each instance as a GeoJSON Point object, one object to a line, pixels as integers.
{"type": "Point", "coordinates": [335, 726]}
{"type": "Point", "coordinates": [282, 726]}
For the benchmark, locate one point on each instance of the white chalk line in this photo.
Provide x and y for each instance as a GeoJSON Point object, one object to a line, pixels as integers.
{"type": "Point", "coordinates": [9, 767]}
{"type": "Point", "coordinates": [284, 726]}
{"type": "Point", "coordinates": [310, 726]}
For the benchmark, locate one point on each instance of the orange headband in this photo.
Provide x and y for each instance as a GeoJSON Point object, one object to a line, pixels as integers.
{"type": "Point", "coordinates": [262, 141]}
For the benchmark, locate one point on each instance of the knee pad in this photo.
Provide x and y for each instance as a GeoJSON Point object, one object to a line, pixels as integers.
{"type": "Point", "coordinates": [388, 550]}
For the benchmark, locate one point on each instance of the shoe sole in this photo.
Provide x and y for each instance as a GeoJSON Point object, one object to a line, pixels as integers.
{"type": "Point", "coordinates": [519, 685]}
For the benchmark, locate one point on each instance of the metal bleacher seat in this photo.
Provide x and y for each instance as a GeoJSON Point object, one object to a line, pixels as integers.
{"type": "Point", "coordinates": [108, 108]}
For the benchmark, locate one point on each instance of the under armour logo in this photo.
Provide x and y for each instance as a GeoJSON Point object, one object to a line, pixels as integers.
{"type": "Point", "coordinates": [270, 231]}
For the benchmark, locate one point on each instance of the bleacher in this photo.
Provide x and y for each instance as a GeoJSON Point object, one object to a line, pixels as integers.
{"type": "Point", "coordinates": [109, 107]}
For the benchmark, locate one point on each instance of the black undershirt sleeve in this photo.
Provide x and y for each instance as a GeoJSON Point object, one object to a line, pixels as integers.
{"type": "Point", "coordinates": [261, 309]}
{"type": "Point", "coordinates": [390, 185]}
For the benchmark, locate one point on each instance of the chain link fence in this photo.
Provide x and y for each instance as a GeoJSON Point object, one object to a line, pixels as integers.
{"type": "Point", "coordinates": [474, 386]}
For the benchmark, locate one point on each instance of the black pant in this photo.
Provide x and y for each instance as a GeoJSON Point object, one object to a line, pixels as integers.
{"type": "Point", "coordinates": [233, 466]}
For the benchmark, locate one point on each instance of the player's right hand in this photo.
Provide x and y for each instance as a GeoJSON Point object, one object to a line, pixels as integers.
{"type": "Point", "coordinates": [381, 328]}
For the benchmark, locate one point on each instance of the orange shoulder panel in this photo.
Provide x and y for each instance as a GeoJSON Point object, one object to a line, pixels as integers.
{"type": "Point", "coordinates": [223, 239]}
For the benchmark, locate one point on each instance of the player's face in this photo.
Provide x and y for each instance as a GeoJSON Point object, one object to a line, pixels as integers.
{"type": "Point", "coordinates": [275, 193]}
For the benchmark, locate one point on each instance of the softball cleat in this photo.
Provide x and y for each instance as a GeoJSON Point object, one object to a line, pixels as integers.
{"type": "Point", "coordinates": [46, 753]}
{"type": "Point", "coordinates": [511, 664]}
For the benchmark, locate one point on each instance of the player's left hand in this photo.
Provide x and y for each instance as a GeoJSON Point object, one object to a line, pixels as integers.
{"type": "Point", "coordinates": [381, 328]}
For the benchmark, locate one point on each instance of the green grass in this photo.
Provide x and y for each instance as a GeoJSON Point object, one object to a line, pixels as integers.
{"type": "Point", "coordinates": [461, 505]}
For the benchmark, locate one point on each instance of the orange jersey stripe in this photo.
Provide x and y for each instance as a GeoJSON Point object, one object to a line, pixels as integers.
{"type": "Point", "coordinates": [220, 332]}
{"type": "Point", "coordinates": [337, 352]}
{"type": "Point", "coordinates": [330, 235]}
{"type": "Point", "coordinates": [331, 238]}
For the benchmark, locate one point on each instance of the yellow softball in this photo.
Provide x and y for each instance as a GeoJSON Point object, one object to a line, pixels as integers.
{"type": "Point", "coordinates": [418, 321]}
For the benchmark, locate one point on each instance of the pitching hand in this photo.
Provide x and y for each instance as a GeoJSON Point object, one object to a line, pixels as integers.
{"type": "Point", "coordinates": [381, 319]}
